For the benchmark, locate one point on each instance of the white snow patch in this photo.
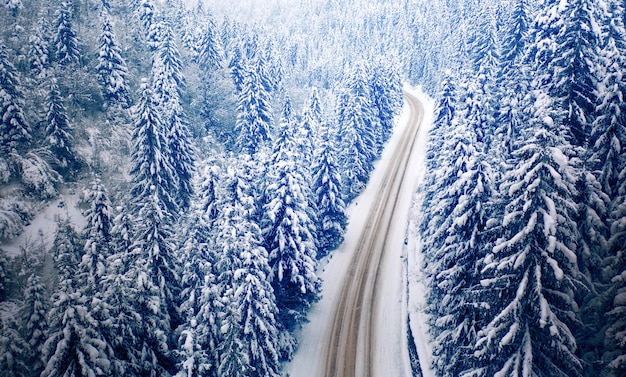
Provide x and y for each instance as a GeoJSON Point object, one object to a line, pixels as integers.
{"type": "Point", "coordinates": [43, 226]}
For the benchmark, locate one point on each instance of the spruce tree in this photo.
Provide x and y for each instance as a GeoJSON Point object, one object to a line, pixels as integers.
{"type": "Point", "coordinates": [58, 130]}
{"type": "Point", "coordinates": [328, 191]}
{"type": "Point", "coordinates": [34, 315]}
{"type": "Point", "coordinates": [250, 315]}
{"type": "Point", "coordinates": [533, 266]}
{"type": "Point", "coordinates": [289, 232]}
{"type": "Point", "coordinates": [14, 129]}
{"type": "Point", "coordinates": [66, 41]}
{"type": "Point", "coordinates": [111, 66]}
{"type": "Point", "coordinates": [254, 112]}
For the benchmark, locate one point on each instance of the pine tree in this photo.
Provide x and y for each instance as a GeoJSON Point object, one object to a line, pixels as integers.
{"type": "Point", "coordinates": [327, 185]}
{"type": "Point", "coordinates": [236, 67]}
{"type": "Point", "coordinates": [182, 155]}
{"type": "Point", "coordinates": [39, 50]}
{"type": "Point", "coordinates": [533, 266]}
{"type": "Point", "coordinates": [14, 129]}
{"type": "Point", "coordinates": [152, 257]}
{"type": "Point", "coordinates": [74, 345]}
{"type": "Point", "coordinates": [66, 42]}
{"type": "Point", "coordinates": [13, 349]}
{"type": "Point", "coordinates": [357, 125]}
{"type": "Point", "coordinates": [201, 304]}
{"type": "Point", "coordinates": [111, 66]}
{"type": "Point", "coordinates": [34, 315]}
{"type": "Point", "coordinates": [58, 130]}
{"type": "Point", "coordinates": [254, 112]}
{"type": "Point", "coordinates": [167, 66]}
{"type": "Point", "coordinates": [210, 54]}
{"type": "Point", "coordinates": [289, 232]}
{"type": "Point", "coordinates": [569, 73]}
{"type": "Point", "coordinates": [309, 127]}
{"type": "Point", "coordinates": [386, 97]}
{"type": "Point", "coordinates": [250, 314]}
{"type": "Point", "coordinates": [97, 240]}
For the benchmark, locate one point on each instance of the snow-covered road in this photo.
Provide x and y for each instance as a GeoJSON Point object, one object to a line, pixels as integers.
{"type": "Point", "coordinates": [359, 327]}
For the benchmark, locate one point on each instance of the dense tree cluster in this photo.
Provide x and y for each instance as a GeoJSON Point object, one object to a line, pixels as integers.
{"type": "Point", "coordinates": [201, 211]}
{"type": "Point", "coordinates": [524, 251]}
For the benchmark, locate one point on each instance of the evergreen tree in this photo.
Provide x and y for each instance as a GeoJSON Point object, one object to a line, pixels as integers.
{"type": "Point", "coordinates": [565, 55]}
{"type": "Point", "coordinates": [236, 67]}
{"type": "Point", "coordinates": [210, 54]}
{"type": "Point", "coordinates": [249, 319]}
{"type": "Point", "coordinates": [386, 97]}
{"type": "Point", "coordinates": [58, 130]}
{"type": "Point", "coordinates": [74, 346]}
{"type": "Point", "coordinates": [533, 266]}
{"type": "Point", "coordinates": [289, 232]}
{"type": "Point", "coordinates": [182, 155]}
{"type": "Point", "coordinates": [153, 260]}
{"type": "Point", "coordinates": [66, 42]}
{"type": "Point", "coordinates": [14, 129]}
{"type": "Point", "coordinates": [111, 66]}
{"type": "Point", "coordinates": [97, 240]}
{"type": "Point", "coordinates": [167, 66]}
{"type": "Point", "coordinates": [254, 112]}
{"type": "Point", "coordinates": [201, 304]}
{"type": "Point", "coordinates": [327, 185]}
{"type": "Point", "coordinates": [34, 316]}
{"type": "Point", "coordinates": [39, 50]}
{"type": "Point", "coordinates": [309, 127]}
{"type": "Point", "coordinates": [13, 350]}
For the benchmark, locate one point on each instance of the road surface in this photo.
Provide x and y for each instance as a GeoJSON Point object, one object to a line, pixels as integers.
{"type": "Point", "coordinates": [351, 342]}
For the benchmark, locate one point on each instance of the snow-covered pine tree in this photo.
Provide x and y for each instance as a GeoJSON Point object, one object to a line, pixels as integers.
{"type": "Point", "coordinates": [199, 335]}
{"type": "Point", "coordinates": [58, 130]}
{"type": "Point", "coordinates": [167, 76]}
{"type": "Point", "coordinates": [249, 323]}
{"type": "Point", "coordinates": [288, 231]}
{"type": "Point", "coordinates": [357, 125]}
{"type": "Point", "coordinates": [386, 97]}
{"type": "Point", "coordinates": [254, 111]}
{"type": "Point", "coordinates": [308, 130]}
{"type": "Point", "coordinates": [529, 277]}
{"type": "Point", "coordinates": [13, 348]}
{"type": "Point", "coordinates": [565, 53]}
{"type": "Point", "coordinates": [111, 66]}
{"type": "Point", "coordinates": [34, 319]}
{"type": "Point", "coordinates": [513, 41]}
{"type": "Point", "coordinates": [74, 346]}
{"type": "Point", "coordinates": [328, 191]}
{"type": "Point", "coordinates": [97, 234]}
{"type": "Point", "coordinates": [66, 42]}
{"type": "Point", "coordinates": [14, 129]}
{"type": "Point", "coordinates": [182, 155]}
{"type": "Point", "coordinates": [210, 54]}
{"type": "Point", "coordinates": [235, 66]}
{"type": "Point", "coordinates": [39, 50]}
{"type": "Point", "coordinates": [154, 204]}
{"type": "Point", "coordinates": [455, 250]}
{"type": "Point", "coordinates": [484, 43]}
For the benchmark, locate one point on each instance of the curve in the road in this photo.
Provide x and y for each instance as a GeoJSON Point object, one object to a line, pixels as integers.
{"type": "Point", "coordinates": [351, 341]}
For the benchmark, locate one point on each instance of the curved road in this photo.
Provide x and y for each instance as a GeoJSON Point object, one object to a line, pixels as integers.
{"type": "Point", "coordinates": [351, 341]}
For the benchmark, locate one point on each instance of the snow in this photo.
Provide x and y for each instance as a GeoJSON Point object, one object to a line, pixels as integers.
{"type": "Point", "coordinates": [43, 226]}
{"type": "Point", "coordinates": [392, 327]}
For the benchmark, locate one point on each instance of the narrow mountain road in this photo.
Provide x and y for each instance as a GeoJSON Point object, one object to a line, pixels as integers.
{"type": "Point", "coordinates": [351, 342]}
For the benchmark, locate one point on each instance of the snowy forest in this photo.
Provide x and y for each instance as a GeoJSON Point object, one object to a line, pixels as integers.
{"type": "Point", "coordinates": [191, 162]}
